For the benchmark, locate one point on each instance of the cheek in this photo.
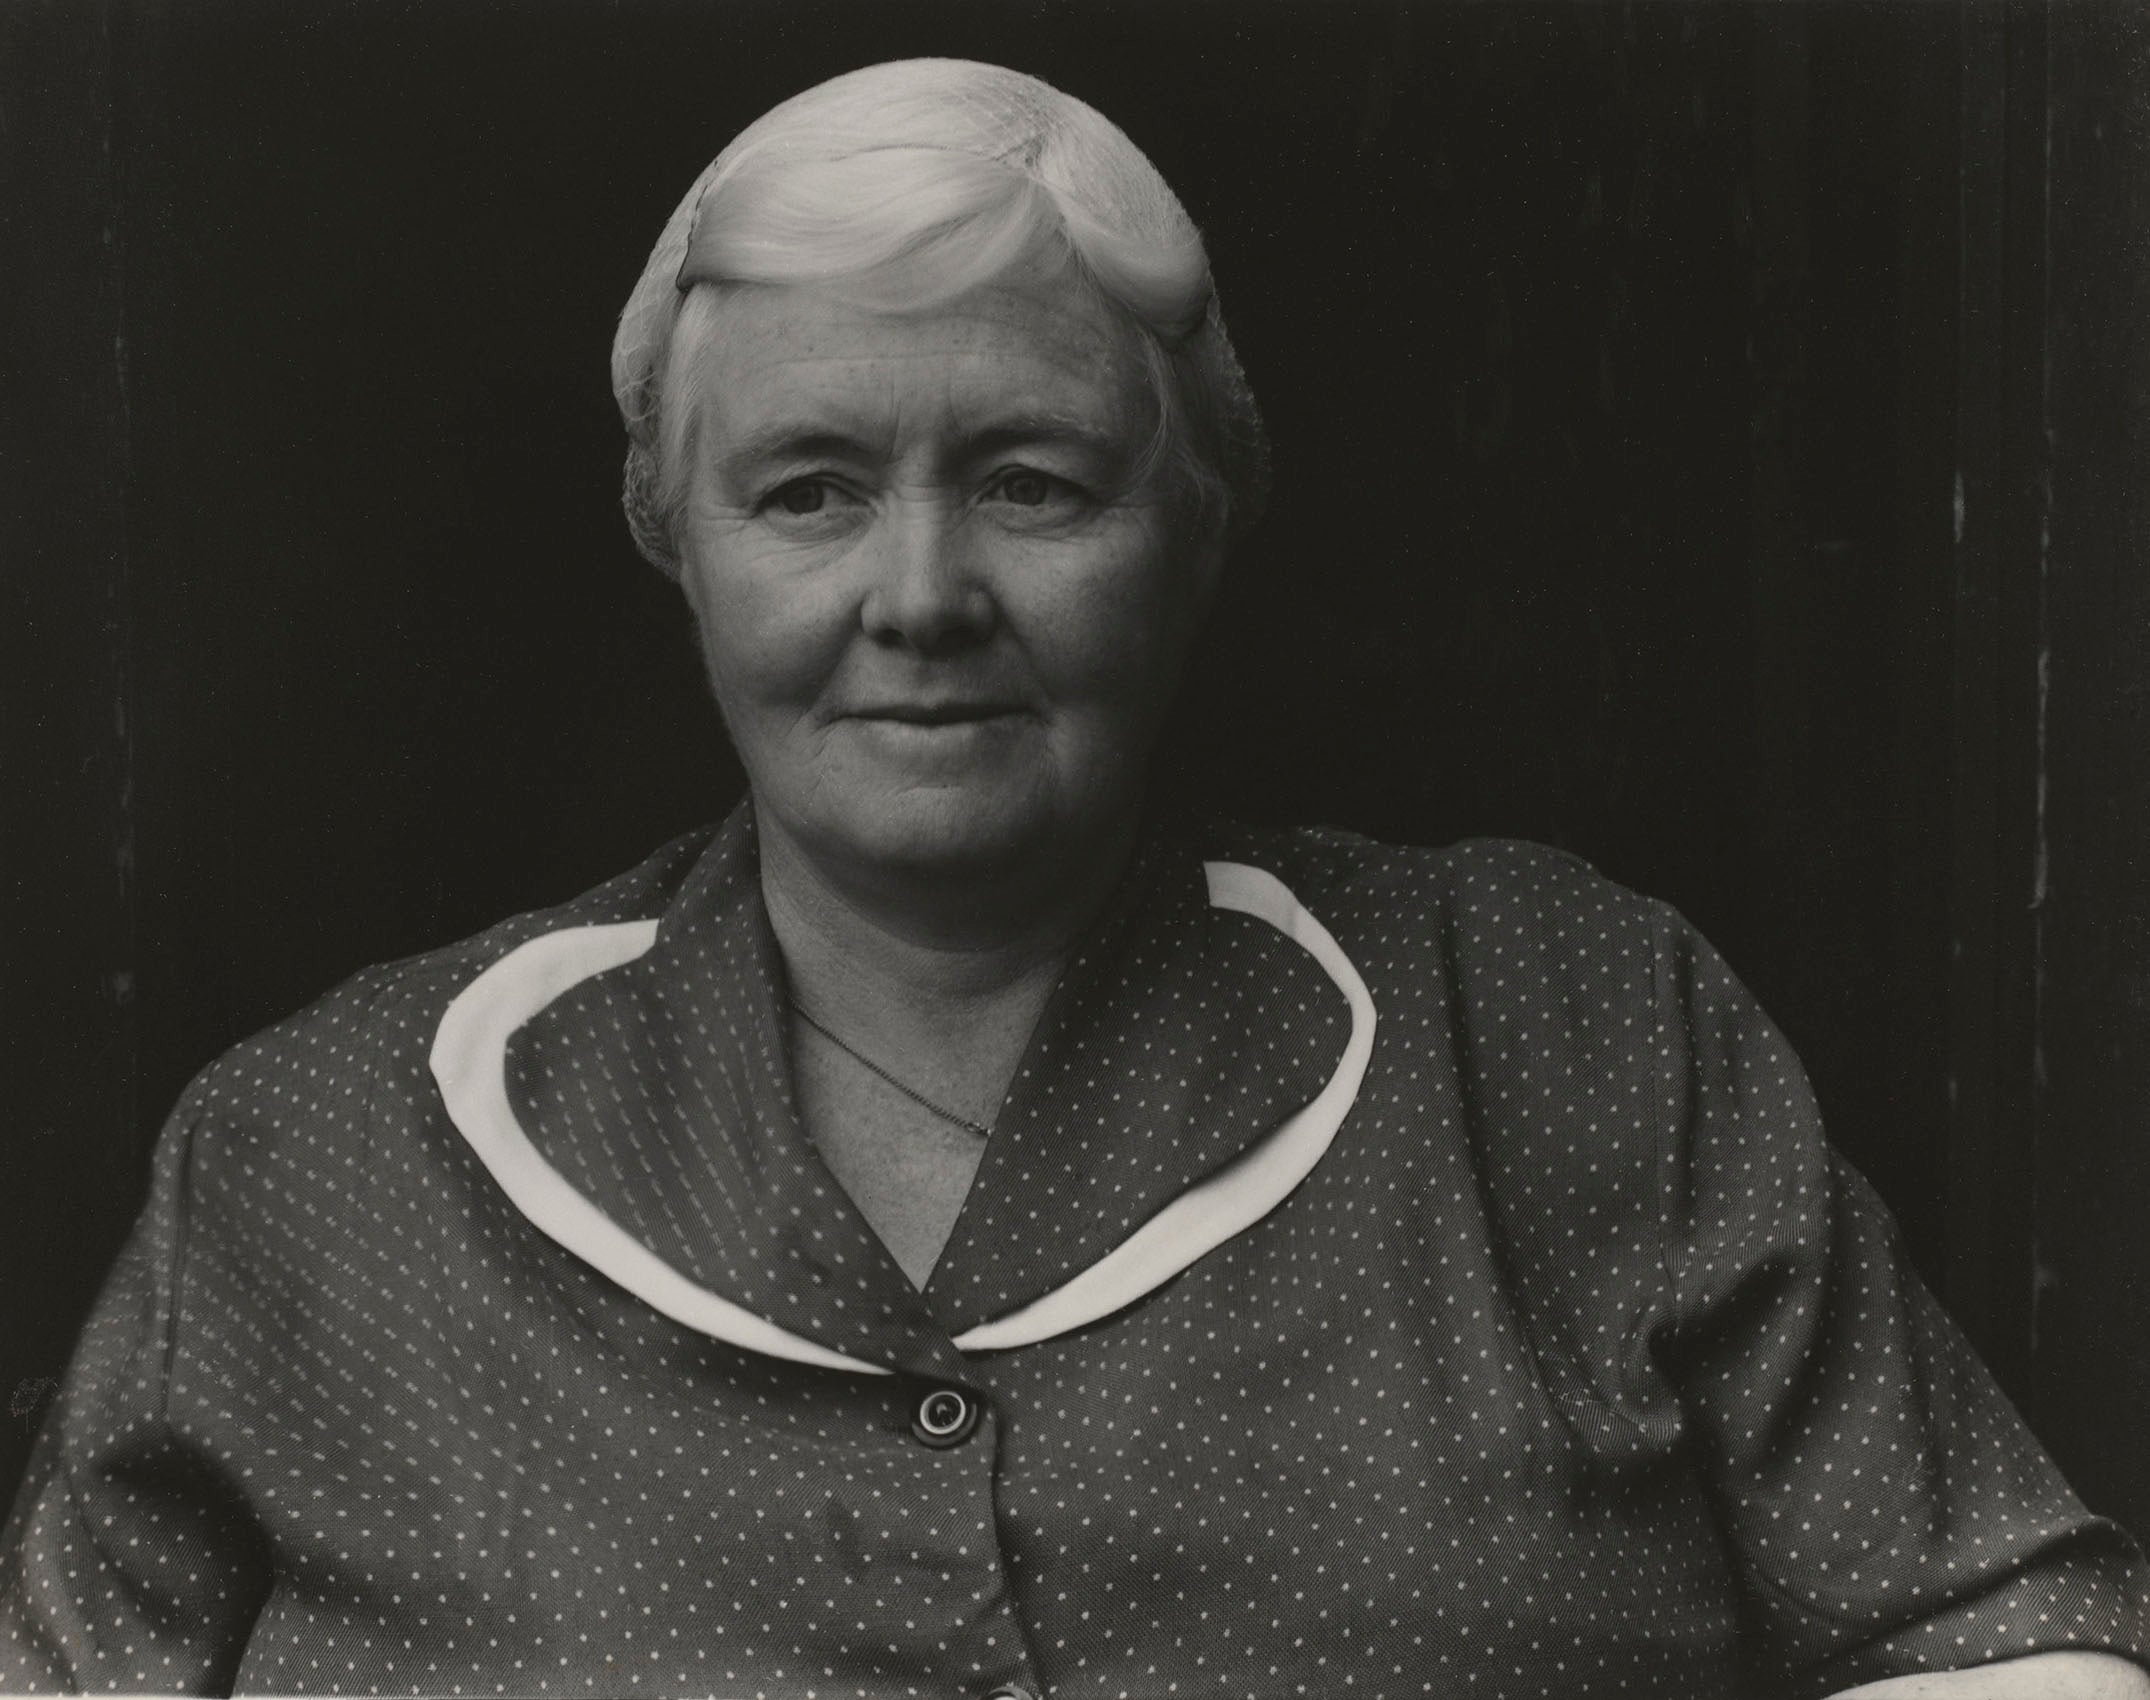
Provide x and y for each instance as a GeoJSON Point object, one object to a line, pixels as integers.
{"type": "Point", "coordinates": [1119, 636]}
{"type": "Point", "coordinates": [768, 640]}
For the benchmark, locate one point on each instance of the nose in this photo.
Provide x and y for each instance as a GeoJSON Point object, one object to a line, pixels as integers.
{"type": "Point", "coordinates": [926, 594]}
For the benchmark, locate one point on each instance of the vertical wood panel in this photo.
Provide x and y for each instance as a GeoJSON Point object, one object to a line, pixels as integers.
{"type": "Point", "coordinates": [1855, 138]}
{"type": "Point", "coordinates": [2093, 1189]}
{"type": "Point", "coordinates": [1928, 256]}
{"type": "Point", "coordinates": [2000, 318]}
{"type": "Point", "coordinates": [67, 1011]}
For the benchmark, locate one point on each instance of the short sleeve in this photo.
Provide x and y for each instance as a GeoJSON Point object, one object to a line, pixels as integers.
{"type": "Point", "coordinates": [129, 1562]}
{"type": "Point", "coordinates": [1887, 1509]}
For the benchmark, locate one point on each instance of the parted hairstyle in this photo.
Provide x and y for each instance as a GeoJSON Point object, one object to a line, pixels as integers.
{"type": "Point", "coordinates": [903, 185]}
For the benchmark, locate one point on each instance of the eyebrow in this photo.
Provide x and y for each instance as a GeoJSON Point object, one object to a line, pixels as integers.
{"type": "Point", "coordinates": [791, 440]}
{"type": "Point", "coordinates": [781, 442]}
{"type": "Point", "coordinates": [1012, 430]}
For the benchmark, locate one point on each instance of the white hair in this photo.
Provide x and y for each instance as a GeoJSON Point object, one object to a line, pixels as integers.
{"type": "Point", "coordinates": [904, 185]}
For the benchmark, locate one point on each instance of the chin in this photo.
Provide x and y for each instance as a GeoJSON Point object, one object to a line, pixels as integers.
{"type": "Point", "coordinates": [965, 832]}
{"type": "Point", "coordinates": [949, 834]}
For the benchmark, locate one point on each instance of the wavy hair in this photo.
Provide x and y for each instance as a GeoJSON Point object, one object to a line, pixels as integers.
{"type": "Point", "coordinates": [904, 185]}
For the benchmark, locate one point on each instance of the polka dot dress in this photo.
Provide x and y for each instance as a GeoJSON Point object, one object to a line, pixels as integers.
{"type": "Point", "coordinates": [1577, 1366]}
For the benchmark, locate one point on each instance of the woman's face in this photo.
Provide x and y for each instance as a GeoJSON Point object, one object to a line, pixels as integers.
{"type": "Point", "coordinates": [936, 599]}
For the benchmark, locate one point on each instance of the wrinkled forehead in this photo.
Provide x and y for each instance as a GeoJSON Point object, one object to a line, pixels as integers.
{"type": "Point", "coordinates": [807, 360]}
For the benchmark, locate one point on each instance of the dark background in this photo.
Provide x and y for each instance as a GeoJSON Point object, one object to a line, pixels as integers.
{"type": "Point", "coordinates": [1709, 437]}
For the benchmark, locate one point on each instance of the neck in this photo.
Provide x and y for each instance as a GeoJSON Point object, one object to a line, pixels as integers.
{"type": "Point", "coordinates": [923, 962]}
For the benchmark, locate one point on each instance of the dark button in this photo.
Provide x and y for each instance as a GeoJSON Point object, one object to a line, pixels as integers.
{"type": "Point", "coordinates": [944, 1416]}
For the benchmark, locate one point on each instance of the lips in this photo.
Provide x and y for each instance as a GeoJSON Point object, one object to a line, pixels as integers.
{"type": "Point", "coordinates": [936, 713]}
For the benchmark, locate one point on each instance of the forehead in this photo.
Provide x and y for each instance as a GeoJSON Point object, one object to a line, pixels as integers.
{"type": "Point", "coordinates": [1028, 348]}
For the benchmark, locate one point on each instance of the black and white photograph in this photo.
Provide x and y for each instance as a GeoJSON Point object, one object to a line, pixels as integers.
{"type": "Point", "coordinates": [1075, 849]}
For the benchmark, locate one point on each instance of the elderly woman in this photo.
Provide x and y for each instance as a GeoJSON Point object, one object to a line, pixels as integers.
{"type": "Point", "coordinates": [960, 1229]}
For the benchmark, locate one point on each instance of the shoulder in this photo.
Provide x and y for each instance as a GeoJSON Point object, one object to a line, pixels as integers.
{"type": "Point", "coordinates": [1501, 906]}
{"type": "Point", "coordinates": [1324, 862]}
{"type": "Point", "coordinates": [1542, 989]}
{"type": "Point", "coordinates": [360, 1048]}
{"type": "Point", "coordinates": [1562, 1028]}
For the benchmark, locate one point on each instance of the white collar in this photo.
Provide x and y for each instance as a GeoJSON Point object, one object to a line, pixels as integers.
{"type": "Point", "coordinates": [469, 1060]}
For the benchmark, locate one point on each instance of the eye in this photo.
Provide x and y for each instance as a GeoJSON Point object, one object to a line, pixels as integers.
{"type": "Point", "coordinates": [812, 506]}
{"type": "Point", "coordinates": [1025, 487]}
{"type": "Point", "coordinates": [801, 497]}
{"type": "Point", "coordinates": [1041, 496]}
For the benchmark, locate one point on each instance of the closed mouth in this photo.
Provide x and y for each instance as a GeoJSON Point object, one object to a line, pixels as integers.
{"type": "Point", "coordinates": [938, 714]}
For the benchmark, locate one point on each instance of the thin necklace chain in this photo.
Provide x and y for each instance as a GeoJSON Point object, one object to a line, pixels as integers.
{"type": "Point", "coordinates": [911, 1092]}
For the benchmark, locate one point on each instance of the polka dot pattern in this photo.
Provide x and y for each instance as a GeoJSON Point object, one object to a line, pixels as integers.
{"type": "Point", "coordinates": [1578, 1367]}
